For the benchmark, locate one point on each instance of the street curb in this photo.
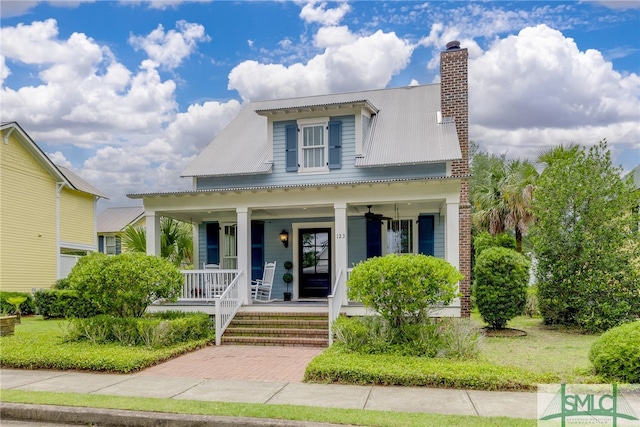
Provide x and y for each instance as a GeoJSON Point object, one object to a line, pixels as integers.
{"type": "Point", "coordinates": [117, 417]}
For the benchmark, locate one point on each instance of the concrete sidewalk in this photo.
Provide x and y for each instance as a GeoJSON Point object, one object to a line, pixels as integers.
{"type": "Point", "coordinates": [405, 399]}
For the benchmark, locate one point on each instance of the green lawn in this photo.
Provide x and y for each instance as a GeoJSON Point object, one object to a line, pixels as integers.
{"type": "Point", "coordinates": [360, 417]}
{"type": "Point", "coordinates": [39, 344]}
{"type": "Point", "coordinates": [561, 351]}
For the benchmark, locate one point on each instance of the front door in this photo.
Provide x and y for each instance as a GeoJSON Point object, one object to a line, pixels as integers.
{"type": "Point", "coordinates": [315, 262]}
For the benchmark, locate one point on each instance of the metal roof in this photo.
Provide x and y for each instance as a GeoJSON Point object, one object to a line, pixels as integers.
{"type": "Point", "coordinates": [79, 183]}
{"type": "Point", "coordinates": [114, 220]}
{"type": "Point", "coordinates": [405, 130]}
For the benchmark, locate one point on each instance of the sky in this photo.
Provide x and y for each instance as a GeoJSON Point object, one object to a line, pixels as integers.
{"type": "Point", "coordinates": [127, 93]}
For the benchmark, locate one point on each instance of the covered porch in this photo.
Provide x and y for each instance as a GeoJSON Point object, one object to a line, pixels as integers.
{"type": "Point", "coordinates": [321, 230]}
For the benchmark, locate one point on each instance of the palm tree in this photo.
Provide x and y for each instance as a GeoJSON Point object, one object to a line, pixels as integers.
{"type": "Point", "coordinates": [176, 241]}
{"type": "Point", "coordinates": [501, 193]}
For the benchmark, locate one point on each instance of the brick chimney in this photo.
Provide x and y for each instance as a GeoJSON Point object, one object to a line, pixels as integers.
{"type": "Point", "coordinates": [454, 102]}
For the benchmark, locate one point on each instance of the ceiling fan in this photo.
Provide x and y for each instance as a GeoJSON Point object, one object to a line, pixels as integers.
{"type": "Point", "coordinates": [370, 216]}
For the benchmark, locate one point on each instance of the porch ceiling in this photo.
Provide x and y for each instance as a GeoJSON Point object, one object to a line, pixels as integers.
{"type": "Point", "coordinates": [390, 209]}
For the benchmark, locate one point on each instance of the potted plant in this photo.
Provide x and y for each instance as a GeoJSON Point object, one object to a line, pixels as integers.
{"type": "Point", "coordinates": [16, 301]}
{"type": "Point", "coordinates": [287, 278]}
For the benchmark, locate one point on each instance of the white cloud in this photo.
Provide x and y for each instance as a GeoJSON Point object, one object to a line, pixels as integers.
{"type": "Point", "coordinates": [333, 37]}
{"type": "Point", "coordinates": [364, 62]}
{"type": "Point", "coordinates": [59, 159]}
{"type": "Point", "coordinates": [318, 13]}
{"type": "Point", "coordinates": [4, 70]}
{"type": "Point", "coordinates": [536, 89]}
{"type": "Point", "coordinates": [169, 49]}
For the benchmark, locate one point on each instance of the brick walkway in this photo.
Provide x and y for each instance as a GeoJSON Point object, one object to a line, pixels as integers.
{"type": "Point", "coordinates": [237, 362]}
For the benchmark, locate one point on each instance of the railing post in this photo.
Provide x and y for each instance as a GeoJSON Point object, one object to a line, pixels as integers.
{"type": "Point", "coordinates": [218, 321]}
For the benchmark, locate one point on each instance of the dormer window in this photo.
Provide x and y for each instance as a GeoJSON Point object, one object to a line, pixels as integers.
{"type": "Point", "coordinates": [314, 145]}
{"type": "Point", "coordinates": [313, 142]}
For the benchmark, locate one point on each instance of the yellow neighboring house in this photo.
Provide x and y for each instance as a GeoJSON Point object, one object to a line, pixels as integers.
{"type": "Point", "coordinates": [47, 214]}
{"type": "Point", "coordinates": [112, 224]}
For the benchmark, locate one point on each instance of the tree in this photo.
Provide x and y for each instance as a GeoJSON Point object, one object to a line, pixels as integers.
{"type": "Point", "coordinates": [501, 191]}
{"type": "Point", "coordinates": [176, 241]}
{"type": "Point", "coordinates": [585, 241]}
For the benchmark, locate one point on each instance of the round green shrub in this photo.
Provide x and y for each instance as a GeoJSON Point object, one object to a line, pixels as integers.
{"type": "Point", "coordinates": [404, 288]}
{"type": "Point", "coordinates": [484, 240]}
{"type": "Point", "coordinates": [616, 354]}
{"type": "Point", "coordinates": [125, 285]}
{"type": "Point", "coordinates": [500, 285]}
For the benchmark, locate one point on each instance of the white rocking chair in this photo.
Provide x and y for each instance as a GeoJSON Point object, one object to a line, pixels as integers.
{"type": "Point", "coordinates": [261, 288]}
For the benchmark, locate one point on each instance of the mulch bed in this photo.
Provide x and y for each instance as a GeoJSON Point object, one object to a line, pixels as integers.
{"type": "Point", "coordinates": [503, 333]}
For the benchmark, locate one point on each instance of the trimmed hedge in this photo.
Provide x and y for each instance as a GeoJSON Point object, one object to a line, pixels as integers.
{"type": "Point", "coordinates": [616, 353]}
{"type": "Point", "coordinates": [337, 366]}
{"type": "Point", "coordinates": [63, 303]}
{"type": "Point", "coordinates": [155, 332]}
{"type": "Point", "coordinates": [26, 308]}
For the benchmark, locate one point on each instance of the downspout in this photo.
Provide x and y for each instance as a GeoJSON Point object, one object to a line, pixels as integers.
{"type": "Point", "coordinates": [59, 187]}
{"type": "Point", "coordinates": [95, 223]}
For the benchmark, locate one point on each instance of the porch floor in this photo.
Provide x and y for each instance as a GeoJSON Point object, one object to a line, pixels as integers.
{"type": "Point", "coordinates": [298, 306]}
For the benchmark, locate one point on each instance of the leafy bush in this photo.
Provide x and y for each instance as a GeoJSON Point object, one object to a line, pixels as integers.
{"type": "Point", "coordinates": [62, 284]}
{"type": "Point", "coordinates": [453, 338]}
{"type": "Point", "coordinates": [531, 308]}
{"type": "Point", "coordinates": [126, 284]}
{"type": "Point", "coordinates": [616, 354]}
{"type": "Point", "coordinates": [404, 289]}
{"type": "Point", "coordinates": [460, 339]}
{"type": "Point", "coordinates": [61, 303]}
{"type": "Point", "coordinates": [484, 240]}
{"type": "Point", "coordinates": [27, 307]}
{"type": "Point", "coordinates": [148, 331]}
{"type": "Point", "coordinates": [500, 285]}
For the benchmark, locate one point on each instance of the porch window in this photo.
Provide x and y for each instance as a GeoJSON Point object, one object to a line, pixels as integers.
{"type": "Point", "coordinates": [400, 236]}
{"type": "Point", "coordinates": [230, 247]}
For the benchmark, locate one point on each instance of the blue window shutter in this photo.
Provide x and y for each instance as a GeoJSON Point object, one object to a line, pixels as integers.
{"type": "Point", "coordinates": [213, 244]}
{"type": "Point", "coordinates": [291, 148]}
{"type": "Point", "coordinates": [374, 238]}
{"type": "Point", "coordinates": [426, 234]}
{"type": "Point", "coordinates": [335, 144]}
{"type": "Point", "coordinates": [118, 245]}
{"type": "Point", "coordinates": [101, 244]}
{"type": "Point", "coordinates": [257, 249]}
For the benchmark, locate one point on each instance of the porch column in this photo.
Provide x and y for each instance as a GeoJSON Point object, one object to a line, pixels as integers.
{"type": "Point", "coordinates": [341, 246]}
{"type": "Point", "coordinates": [244, 253]}
{"type": "Point", "coordinates": [153, 233]}
{"type": "Point", "coordinates": [452, 234]}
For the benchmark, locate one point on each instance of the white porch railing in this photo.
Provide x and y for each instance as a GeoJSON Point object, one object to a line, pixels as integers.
{"type": "Point", "coordinates": [227, 304]}
{"type": "Point", "coordinates": [336, 299]}
{"type": "Point", "coordinates": [206, 285]}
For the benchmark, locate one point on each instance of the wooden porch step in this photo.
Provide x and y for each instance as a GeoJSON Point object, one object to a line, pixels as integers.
{"type": "Point", "coordinates": [276, 341]}
{"type": "Point", "coordinates": [278, 328]}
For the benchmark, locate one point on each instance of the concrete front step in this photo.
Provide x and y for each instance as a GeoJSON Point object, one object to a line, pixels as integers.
{"type": "Point", "coordinates": [279, 341]}
{"type": "Point", "coordinates": [278, 328]}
